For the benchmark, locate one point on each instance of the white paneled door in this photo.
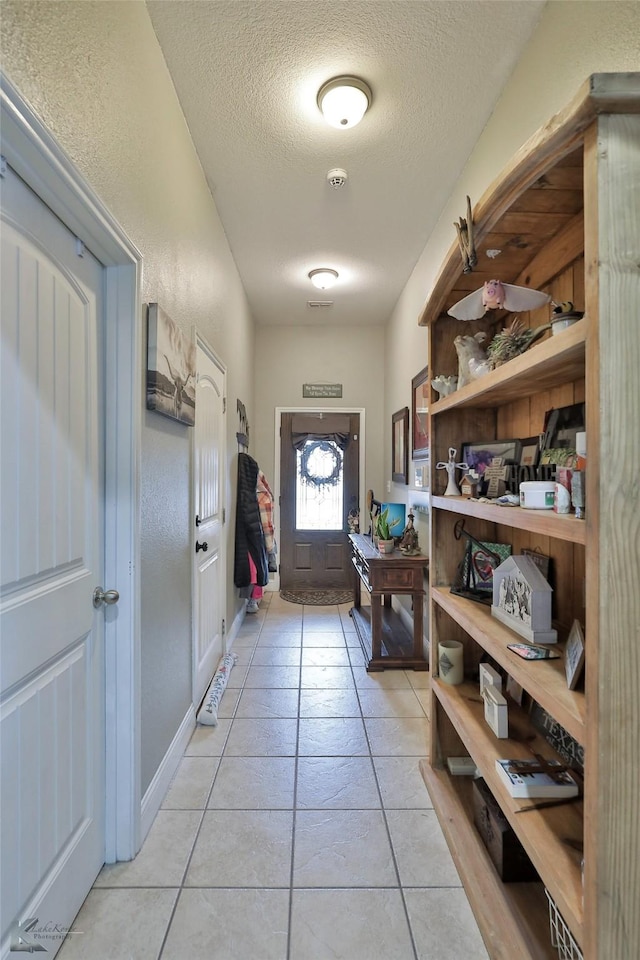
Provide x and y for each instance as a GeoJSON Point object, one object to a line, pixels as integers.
{"type": "Point", "coordinates": [51, 641]}
{"type": "Point", "coordinates": [209, 570]}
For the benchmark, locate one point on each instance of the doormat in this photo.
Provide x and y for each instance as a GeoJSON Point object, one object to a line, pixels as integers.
{"type": "Point", "coordinates": [317, 598]}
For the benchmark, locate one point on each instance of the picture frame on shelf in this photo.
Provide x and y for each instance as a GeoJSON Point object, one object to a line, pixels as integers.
{"type": "Point", "coordinates": [420, 388]}
{"type": "Point", "coordinates": [479, 454]}
{"type": "Point", "coordinates": [399, 446]}
{"type": "Point", "coordinates": [541, 560]}
{"type": "Point", "coordinates": [561, 426]}
{"type": "Point", "coordinates": [529, 452]}
{"type": "Point", "coordinates": [574, 655]}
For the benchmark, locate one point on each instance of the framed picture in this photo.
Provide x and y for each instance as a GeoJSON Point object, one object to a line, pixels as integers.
{"type": "Point", "coordinates": [420, 415]}
{"type": "Point", "coordinates": [541, 561]}
{"type": "Point", "coordinates": [530, 448]}
{"type": "Point", "coordinates": [480, 455]}
{"type": "Point", "coordinates": [561, 426]}
{"type": "Point", "coordinates": [399, 446]}
{"type": "Point", "coordinates": [171, 368]}
{"type": "Point", "coordinates": [574, 655]}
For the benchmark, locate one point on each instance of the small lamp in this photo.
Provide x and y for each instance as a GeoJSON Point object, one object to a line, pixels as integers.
{"type": "Point", "coordinates": [344, 101]}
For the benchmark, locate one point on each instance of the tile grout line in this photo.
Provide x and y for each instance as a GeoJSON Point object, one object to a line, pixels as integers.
{"type": "Point", "coordinates": [386, 825]}
{"type": "Point", "coordinates": [181, 887]}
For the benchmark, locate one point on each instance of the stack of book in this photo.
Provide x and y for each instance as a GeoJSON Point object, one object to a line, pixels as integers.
{"type": "Point", "coordinates": [537, 778]}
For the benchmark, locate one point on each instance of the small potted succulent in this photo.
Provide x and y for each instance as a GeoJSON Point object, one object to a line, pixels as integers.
{"type": "Point", "coordinates": [386, 543]}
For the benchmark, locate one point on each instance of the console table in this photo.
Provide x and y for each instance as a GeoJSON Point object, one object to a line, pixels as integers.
{"type": "Point", "coordinates": [385, 640]}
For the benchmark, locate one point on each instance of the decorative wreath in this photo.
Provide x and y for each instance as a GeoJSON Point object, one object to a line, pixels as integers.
{"type": "Point", "coordinates": [324, 479]}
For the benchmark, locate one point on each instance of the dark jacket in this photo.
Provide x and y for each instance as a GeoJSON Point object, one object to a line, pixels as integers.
{"type": "Point", "coordinates": [249, 533]}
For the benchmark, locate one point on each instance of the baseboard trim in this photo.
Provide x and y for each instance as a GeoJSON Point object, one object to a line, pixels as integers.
{"type": "Point", "coordinates": [157, 789]}
{"type": "Point", "coordinates": [235, 627]}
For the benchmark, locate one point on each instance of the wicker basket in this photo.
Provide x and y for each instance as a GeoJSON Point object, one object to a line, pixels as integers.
{"type": "Point", "coordinates": [561, 937]}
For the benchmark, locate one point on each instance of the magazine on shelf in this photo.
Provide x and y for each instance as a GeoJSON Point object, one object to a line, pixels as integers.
{"type": "Point", "coordinates": [535, 778]}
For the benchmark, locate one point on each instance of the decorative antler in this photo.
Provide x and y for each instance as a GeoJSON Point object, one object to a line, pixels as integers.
{"type": "Point", "coordinates": [464, 229]}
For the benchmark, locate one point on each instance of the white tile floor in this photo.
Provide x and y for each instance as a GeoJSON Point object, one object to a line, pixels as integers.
{"type": "Point", "coordinates": [299, 827]}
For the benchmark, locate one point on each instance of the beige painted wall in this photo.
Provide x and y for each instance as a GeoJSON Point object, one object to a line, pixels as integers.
{"type": "Point", "coordinates": [573, 40]}
{"type": "Point", "coordinates": [287, 357]}
{"type": "Point", "coordinates": [95, 75]}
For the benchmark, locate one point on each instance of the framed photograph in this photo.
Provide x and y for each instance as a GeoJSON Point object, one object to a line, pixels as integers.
{"type": "Point", "coordinates": [418, 477]}
{"type": "Point", "coordinates": [561, 425]}
{"type": "Point", "coordinates": [529, 450]}
{"type": "Point", "coordinates": [420, 415]}
{"type": "Point", "coordinates": [399, 446]}
{"type": "Point", "coordinates": [574, 655]}
{"type": "Point", "coordinates": [171, 368]}
{"type": "Point", "coordinates": [541, 561]}
{"type": "Point", "coordinates": [480, 455]}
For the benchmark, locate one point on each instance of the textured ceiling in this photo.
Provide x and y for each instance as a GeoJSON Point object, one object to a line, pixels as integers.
{"type": "Point", "coordinates": [247, 73]}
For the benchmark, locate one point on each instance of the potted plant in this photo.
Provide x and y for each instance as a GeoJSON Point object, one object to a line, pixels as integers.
{"type": "Point", "coordinates": [386, 543]}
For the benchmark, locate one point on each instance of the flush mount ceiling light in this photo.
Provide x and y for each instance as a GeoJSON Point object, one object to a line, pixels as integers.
{"type": "Point", "coordinates": [344, 101]}
{"type": "Point", "coordinates": [323, 278]}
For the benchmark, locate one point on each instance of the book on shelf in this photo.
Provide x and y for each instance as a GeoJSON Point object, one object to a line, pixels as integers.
{"type": "Point", "coordinates": [537, 778]}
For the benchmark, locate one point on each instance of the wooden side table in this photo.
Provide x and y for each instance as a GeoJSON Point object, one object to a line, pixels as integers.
{"type": "Point", "coordinates": [385, 640]}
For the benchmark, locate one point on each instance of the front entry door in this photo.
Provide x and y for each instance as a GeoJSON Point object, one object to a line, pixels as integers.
{"type": "Point", "coordinates": [52, 552]}
{"type": "Point", "coordinates": [208, 501]}
{"type": "Point", "coordinates": [314, 550]}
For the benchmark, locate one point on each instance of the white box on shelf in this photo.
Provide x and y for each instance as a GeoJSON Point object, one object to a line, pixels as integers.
{"type": "Point", "coordinates": [462, 766]}
{"type": "Point", "coordinates": [496, 712]}
{"type": "Point", "coordinates": [489, 677]}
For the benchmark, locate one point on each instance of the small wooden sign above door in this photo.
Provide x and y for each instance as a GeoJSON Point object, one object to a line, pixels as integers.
{"type": "Point", "coordinates": [321, 390]}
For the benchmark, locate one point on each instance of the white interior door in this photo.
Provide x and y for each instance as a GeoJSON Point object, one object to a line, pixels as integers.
{"type": "Point", "coordinates": [209, 566]}
{"type": "Point", "coordinates": [51, 640]}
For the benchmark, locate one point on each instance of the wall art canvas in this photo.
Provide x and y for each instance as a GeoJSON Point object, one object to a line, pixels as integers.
{"type": "Point", "coordinates": [420, 392]}
{"type": "Point", "coordinates": [396, 514]}
{"type": "Point", "coordinates": [171, 368]}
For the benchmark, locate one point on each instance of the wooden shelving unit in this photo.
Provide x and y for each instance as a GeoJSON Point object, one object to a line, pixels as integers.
{"type": "Point", "coordinates": [577, 248]}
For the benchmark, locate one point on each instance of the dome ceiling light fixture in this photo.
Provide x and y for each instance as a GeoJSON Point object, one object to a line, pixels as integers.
{"type": "Point", "coordinates": [323, 278]}
{"type": "Point", "coordinates": [344, 101]}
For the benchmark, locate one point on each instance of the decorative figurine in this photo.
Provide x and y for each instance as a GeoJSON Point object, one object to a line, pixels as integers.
{"type": "Point", "coordinates": [451, 466]}
{"type": "Point", "coordinates": [409, 545]}
{"type": "Point", "coordinates": [444, 385]}
{"type": "Point", "coordinates": [496, 295]}
{"type": "Point", "coordinates": [469, 350]}
{"type": "Point", "coordinates": [469, 485]}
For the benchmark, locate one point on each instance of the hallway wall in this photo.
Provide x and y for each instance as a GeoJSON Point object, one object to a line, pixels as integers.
{"type": "Point", "coordinates": [95, 75]}
{"type": "Point", "coordinates": [287, 357]}
{"type": "Point", "coordinates": [572, 41]}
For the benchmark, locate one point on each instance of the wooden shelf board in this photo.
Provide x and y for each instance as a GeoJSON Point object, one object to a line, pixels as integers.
{"type": "Point", "coordinates": [545, 680]}
{"type": "Point", "coordinates": [544, 522]}
{"type": "Point", "coordinates": [513, 917]}
{"type": "Point", "coordinates": [543, 833]}
{"type": "Point", "coordinates": [397, 642]}
{"type": "Point", "coordinates": [558, 359]}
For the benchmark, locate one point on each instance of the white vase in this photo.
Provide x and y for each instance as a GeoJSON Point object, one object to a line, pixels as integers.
{"type": "Point", "coordinates": [451, 661]}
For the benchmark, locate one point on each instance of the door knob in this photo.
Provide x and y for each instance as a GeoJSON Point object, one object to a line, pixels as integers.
{"type": "Point", "coordinates": [202, 546]}
{"type": "Point", "coordinates": [101, 596]}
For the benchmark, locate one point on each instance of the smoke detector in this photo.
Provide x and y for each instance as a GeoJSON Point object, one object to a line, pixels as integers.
{"type": "Point", "coordinates": [337, 178]}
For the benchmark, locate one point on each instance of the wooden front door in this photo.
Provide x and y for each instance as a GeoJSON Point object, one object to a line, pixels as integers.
{"type": "Point", "coordinates": [314, 549]}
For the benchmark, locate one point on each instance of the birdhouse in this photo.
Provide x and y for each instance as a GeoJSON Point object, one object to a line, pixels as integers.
{"type": "Point", "coordinates": [469, 486]}
{"type": "Point", "coordinates": [522, 600]}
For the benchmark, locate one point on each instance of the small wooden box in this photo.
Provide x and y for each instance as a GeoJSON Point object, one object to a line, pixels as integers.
{"type": "Point", "coordinates": [507, 853]}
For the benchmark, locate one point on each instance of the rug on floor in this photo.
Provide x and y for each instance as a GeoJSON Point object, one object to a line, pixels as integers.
{"type": "Point", "coordinates": [317, 598]}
